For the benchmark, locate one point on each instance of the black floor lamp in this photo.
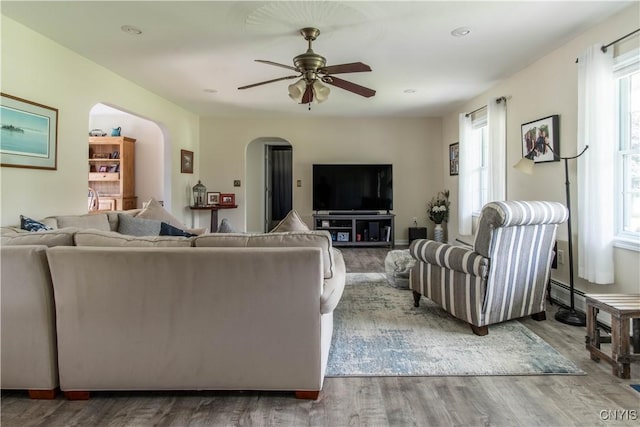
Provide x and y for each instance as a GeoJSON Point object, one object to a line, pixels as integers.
{"type": "Point", "coordinates": [565, 315]}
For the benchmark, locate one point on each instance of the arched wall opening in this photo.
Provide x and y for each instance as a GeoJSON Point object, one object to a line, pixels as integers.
{"type": "Point", "coordinates": [152, 148]}
{"type": "Point", "coordinates": [256, 179]}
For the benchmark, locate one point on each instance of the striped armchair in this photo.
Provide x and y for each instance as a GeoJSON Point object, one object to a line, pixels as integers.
{"type": "Point", "coordinates": [503, 277]}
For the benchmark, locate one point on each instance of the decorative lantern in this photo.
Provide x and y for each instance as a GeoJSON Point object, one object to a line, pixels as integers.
{"type": "Point", "coordinates": [199, 195]}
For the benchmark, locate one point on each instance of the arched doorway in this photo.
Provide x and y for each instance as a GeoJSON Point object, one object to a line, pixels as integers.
{"type": "Point", "coordinates": [269, 182]}
{"type": "Point", "coordinates": [152, 148]}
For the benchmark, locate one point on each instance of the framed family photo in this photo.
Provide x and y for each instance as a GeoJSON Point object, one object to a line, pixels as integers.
{"type": "Point", "coordinates": [454, 158]}
{"type": "Point", "coordinates": [29, 134]}
{"type": "Point", "coordinates": [213, 198]}
{"type": "Point", "coordinates": [540, 139]}
{"type": "Point", "coordinates": [227, 199]}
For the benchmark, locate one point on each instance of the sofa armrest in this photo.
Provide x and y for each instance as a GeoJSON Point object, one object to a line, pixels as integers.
{"type": "Point", "coordinates": [334, 286]}
{"type": "Point", "coordinates": [449, 256]}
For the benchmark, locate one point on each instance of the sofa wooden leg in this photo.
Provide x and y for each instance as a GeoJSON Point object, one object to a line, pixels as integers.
{"type": "Point", "coordinates": [77, 395]}
{"type": "Point", "coordinates": [307, 394]}
{"type": "Point", "coordinates": [416, 298]}
{"type": "Point", "coordinates": [42, 394]}
{"type": "Point", "coordinates": [480, 330]}
{"type": "Point", "coordinates": [539, 316]}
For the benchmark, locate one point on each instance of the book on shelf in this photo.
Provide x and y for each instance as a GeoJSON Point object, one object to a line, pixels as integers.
{"type": "Point", "coordinates": [387, 232]}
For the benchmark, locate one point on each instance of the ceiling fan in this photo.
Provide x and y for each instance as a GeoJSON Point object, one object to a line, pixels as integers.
{"type": "Point", "coordinates": [313, 71]}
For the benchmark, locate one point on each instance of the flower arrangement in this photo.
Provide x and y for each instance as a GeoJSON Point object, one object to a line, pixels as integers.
{"type": "Point", "coordinates": [438, 207]}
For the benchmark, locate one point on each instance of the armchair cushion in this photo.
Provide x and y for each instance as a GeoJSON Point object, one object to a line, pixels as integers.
{"type": "Point", "coordinates": [449, 256]}
{"type": "Point", "coordinates": [515, 213]}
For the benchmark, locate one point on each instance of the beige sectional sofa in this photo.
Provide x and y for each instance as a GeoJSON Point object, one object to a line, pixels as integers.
{"type": "Point", "coordinates": [211, 312]}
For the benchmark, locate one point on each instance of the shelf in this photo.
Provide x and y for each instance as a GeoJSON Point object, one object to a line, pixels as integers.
{"type": "Point", "coordinates": [358, 225]}
{"type": "Point", "coordinates": [105, 160]}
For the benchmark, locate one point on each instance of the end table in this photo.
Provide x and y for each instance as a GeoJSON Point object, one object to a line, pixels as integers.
{"type": "Point", "coordinates": [417, 233]}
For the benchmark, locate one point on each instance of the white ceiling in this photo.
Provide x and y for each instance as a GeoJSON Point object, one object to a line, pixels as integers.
{"type": "Point", "coordinates": [187, 48]}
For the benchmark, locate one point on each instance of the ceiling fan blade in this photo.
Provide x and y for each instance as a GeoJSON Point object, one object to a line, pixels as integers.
{"type": "Point", "coordinates": [354, 67]}
{"type": "Point", "coordinates": [351, 87]}
{"type": "Point", "coordinates": [276, 64]}
{"type": "Point", "coordinates": [268, 81]}
{"type": "Point", "coordinates": [308, 95]}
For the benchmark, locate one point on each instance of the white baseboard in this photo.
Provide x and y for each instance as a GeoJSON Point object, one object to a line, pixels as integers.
{"type": "Point", "coordinates": [560, 293]}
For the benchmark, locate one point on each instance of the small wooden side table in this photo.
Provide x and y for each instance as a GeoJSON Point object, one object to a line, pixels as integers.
{"type": "Point", "coordinates": [622, 308]}
{"type": "Point", "coordinates": [214, 213]}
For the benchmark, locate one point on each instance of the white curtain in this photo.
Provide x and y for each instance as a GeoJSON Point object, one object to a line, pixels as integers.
{"type": "Point", "coordinates": [596, 167]}
{"type": "Point", "coordinates": [497, 123]}
{"type": "Point", "coordinates": [465, 197]}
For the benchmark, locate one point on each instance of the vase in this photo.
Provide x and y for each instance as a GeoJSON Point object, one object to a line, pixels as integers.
{"type": "Point", "coordinates": [438, 233]}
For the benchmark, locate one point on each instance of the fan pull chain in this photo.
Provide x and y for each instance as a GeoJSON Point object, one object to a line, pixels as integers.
{"type": "Point", "coordinates": [309, 106]}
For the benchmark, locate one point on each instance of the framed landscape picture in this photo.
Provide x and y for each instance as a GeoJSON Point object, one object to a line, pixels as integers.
{"type": "Point", "coordinates": [29, 134]}
{"type": "Point", "coordinates": [540, 139]}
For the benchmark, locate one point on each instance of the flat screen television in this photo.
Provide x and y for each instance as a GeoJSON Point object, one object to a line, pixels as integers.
{"type": "Point", "coordinates": [354, 187]}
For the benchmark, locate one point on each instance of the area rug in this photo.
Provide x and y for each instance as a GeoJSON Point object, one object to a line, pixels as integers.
{"type": "Point", "coordinates": [378, 332]}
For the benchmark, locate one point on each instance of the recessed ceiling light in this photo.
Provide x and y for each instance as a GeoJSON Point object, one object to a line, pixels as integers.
{"type": "Point", "coordinates": [409, 91]}
{"type": "Point", "coordinates": [130, 29]}
{"type": "Point", "coordinates": [460, 32]}
{"type": "Point", "coordinates": [210, 90]}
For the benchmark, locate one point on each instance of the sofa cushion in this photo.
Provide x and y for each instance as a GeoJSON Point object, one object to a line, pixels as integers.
{"type": "Point", "coordinates": [29, 224]}
{"type": "Point", "coordinates": [316, 239]}
{"type": "Point", "coordinates": [112, 216]}
{"type": "Point", "coordinates": [291, 222]}
{"type": "Point", "coordinates": [50, 238]}
{"type": "Point", "coordinates": [112, 238]}
{"type": "Point", "coordinates": [134, 226]}
{"type": "Point", "coordinates": [97, 221]}
{"type": "Point", "coordinates": [154, 210]}
{"type": "Point", "coordinates": [226, 227]}
{"type": "Point", "coordinates": [170, 230]}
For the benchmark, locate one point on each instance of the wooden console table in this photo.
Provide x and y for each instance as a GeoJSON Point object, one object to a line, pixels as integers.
{"type": "Point", "coordinates": [214, 214]}
{"type": "Point", "coordinates": [622, 308]}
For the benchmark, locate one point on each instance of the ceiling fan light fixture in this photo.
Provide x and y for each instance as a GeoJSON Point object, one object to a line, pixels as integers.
{"type": "Point", "coordinates": [320, 91]}
{"type": "Point", "coordinates": [296, 90]}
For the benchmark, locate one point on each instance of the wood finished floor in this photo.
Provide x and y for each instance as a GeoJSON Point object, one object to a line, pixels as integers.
{"type": "Point", "coordinates": [553, 400]}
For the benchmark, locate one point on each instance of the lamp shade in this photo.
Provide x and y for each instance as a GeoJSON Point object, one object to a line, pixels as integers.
{"type": "Point", "coordinates": [525, 166]}
{"type": "Point", "coordinates": [320, 91]}
{"type": "Point", "coordinates": [296, 90]}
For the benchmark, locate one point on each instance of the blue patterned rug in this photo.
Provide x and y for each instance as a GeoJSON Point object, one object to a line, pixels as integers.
{"type": "Point", "coordinates": [378, 332]}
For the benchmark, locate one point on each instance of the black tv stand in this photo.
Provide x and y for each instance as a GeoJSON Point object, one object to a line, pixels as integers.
{"type": "Point", "coordinates": [357, 228]}
{"type": "Point", "coordinates": [355, 213]}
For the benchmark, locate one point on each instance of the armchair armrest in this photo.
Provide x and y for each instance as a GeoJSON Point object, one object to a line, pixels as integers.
{"type": "Point", "coordinates": [449, 256]}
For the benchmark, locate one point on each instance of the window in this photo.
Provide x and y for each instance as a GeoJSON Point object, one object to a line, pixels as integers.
{"type": "Point", "coordinates": [627, 71]}
{"type": "Point", "coordinates": [479, 167]}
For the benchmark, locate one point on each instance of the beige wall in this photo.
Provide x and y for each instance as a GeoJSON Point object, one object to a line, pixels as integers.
{"type": "Point", "coordinates": [546, 87]}
{"type": "Point", "coordinates": [37, 69]}
{"type": "Point", "coordinates": [411, 145]}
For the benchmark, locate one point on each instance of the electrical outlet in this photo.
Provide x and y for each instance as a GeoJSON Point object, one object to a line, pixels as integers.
{"type": "Point", "coordinates": [415, 221]}
{"type": "Point", "coordinates": [560, 257]}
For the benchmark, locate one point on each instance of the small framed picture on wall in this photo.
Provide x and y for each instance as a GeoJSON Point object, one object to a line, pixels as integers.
{"type": "Point", "coordinates": [186, 161]}
{"type": "Point", "coordinates": [454, 158]}
{"type": "Point", "coordinates": [540, 139]}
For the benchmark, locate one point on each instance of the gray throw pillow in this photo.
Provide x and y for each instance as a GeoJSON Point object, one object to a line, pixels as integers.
{"type": "Point", "coordinates": [226, 227]}
{"type": "Point", "coordinates": [134, 226]}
